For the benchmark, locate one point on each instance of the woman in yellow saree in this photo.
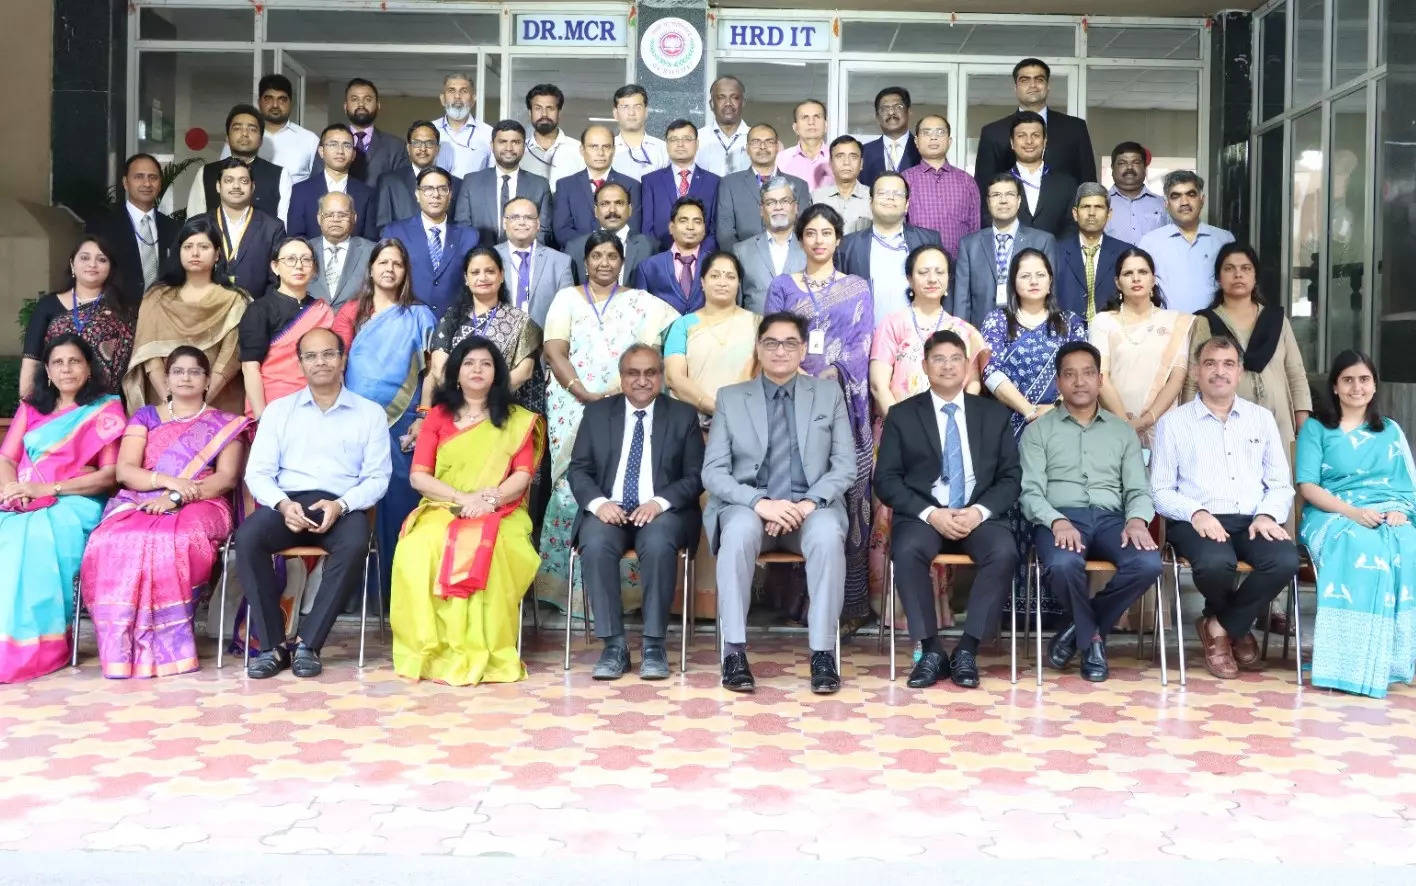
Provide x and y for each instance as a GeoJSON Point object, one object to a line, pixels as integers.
{"type": "Point", "coordinates": [465, 558]}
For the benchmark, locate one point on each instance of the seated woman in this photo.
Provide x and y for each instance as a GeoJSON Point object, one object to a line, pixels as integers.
{"type": "Point", "coordinates": [273, 324]}
{"type": "Point", "coordinates": [1356, 477]}
{"type": "Point", "coordinates": [56, 468]}
{"type": "Point", "coordinates": [466, 558]}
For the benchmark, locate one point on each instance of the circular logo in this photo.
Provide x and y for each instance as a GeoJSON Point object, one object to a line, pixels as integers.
{"type": "Point", "coordinates": [671, 48]}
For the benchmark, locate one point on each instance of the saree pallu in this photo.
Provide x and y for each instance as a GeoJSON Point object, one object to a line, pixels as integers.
{"type": "Point", "coordinates": [280, 370]}
{"type": "Point", "coordinates": [141, 571]}
{"type": "Point", "coordinates": [42, 544]}
{"type": "Point", "coordinates": [165, 322]}
{"type": "Point", "coordinates": [458, 582]}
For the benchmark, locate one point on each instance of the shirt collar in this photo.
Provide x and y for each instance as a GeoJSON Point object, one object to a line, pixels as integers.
{"type": "Point", "coordinates": [1042, 113]}
{"type": "Point", "coordinates": [1198, 407]}
{"type": "Point", "coordinates": [770, 387]}
{"type": "Point", "coordinates": [939, 402]}
{"type": "Point", "coordinates": [1062, 414]}
{"type": "Point", "coordinates": [820, 153]}
{"type": "Point", "coordinates": [1011, 229]}
{"type": "Point", "coordinates": [690, 169]}
{"type": "Point", "coordinates": [137, 215]}
{"type": "Point", "coordinates": [1113, 191]}
{"type": "Point", "coordinates": [742, 128]}
{"type": "Point", "coordinates": [695, 251]}
{"type": "Point", "coordinates": [305, 398]}
{"type": "Point", "coordinates": [630, 408]}
{"type": "Point", "coordinates": [429, 224]}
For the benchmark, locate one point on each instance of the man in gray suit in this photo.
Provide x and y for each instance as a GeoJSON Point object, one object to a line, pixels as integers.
{"type": "Point", "coordinates": [342, 260]}
{"type": "Point", "coordinates": [613, 210]}
{"type": "Point", "coordinates": [486, 193]}
{"type": "Point", "coordinates": [981, 272]}
{"type": "Point", "coordinates": [775, 251]}
{"type": "Point", "coordinates": [534, 271]}
{"type": "Point", "coordinates": [740, 194]}
{"type": "Point", "coordinates": [779, 492]}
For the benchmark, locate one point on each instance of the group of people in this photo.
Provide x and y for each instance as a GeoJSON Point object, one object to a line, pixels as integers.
{"type": "Point", "coordinates": [853, 352]}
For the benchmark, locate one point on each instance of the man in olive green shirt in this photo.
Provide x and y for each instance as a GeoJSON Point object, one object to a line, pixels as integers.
{"type": "Point", "coordinates": [1086, 492]}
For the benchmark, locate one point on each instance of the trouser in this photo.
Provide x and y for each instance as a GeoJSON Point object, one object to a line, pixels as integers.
{"type": "Point", "coordinates": [821, 541]}
{"type": "Point", "coordinates": [1064, 572]}
{"type": "Point", "coordinates": [914, 545]}
{"type": "Point", "coordinates": [657, 543]}
{"type": "Point", "coordinates": [264, 532]}
{"type": "Point", "coordinates": [1214, 566]}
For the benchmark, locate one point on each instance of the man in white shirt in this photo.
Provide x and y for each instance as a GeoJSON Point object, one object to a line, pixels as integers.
{"type": "Point", "coordinates": [534, 271]}
{"type": "Point", "coordinates": [550, 152]}
{"type": "Point", "coordinates": [636, 151]}
{"type": "Point", "coordinates": [466, 143]}
{"type": "Point", "coordinates": [270, 183]}
{"type": "Point", "coordinates": [286, 144]}
{"type": "Point", "coordinates": [848, 195]}
{"type": "Point", "coordinates": [722, 149]}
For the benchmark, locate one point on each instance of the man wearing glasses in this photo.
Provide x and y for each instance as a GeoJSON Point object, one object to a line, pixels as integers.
{"type": "Point", "coordinates": [662, 188]}
{"type": "Point", "coordinates": [395, 195]}
{"type": "Point", "coordinates": [895, 150]}
{"type": "Point", "coordinates": [740, 193]}
{"type": "Point", "coordinates": [878, 253]}
{"type": "Point", "coordinates": [637, 153]}
{"type": "Point", "coordinates": [336, 153]}
{"type": "Point", "coordinates": [775, 251]}
{"type": "Point", "coordinates": [781, 491]}
{"type": "Point", "coordinates": [436, 246]}
{"type": "Point", "coordinates": [343, 259]}
{"type": "Point", "coordinates": [942, 197]}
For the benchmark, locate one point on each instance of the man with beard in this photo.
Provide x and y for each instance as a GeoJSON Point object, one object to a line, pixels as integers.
{"type": "Point", "coordinates": [775, 251]}
{"type": "Point", "coordinates": [575, 212]}
{"type": "Point", "coordinates": [270, 184]}
{"type": "Point", "coordinates": [466, 142]}
{"type": "Point", "coordinates": [723, 148]}
{"type": "Point", "coordinates": [486, 192]}
{"type": "Point", "coordinates": [285, 144]}
{"type": "Point", "coordinates": [1136, 210]}
{"type": "Point", "coordinates": [740, 194]}
{"type": "Point", "coordinates": [613, 212]}
{"type": "Point", "coordinates": [395, 197]}
{"type": "Point", "coordinates": [376, 151]}
{"type": "Point", "coordinates": [550, 152]}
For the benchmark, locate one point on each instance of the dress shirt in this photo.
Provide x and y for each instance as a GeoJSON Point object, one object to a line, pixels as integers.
{"type": "Point", "coordinates": [945, 200]}
{"type": "Point", "coordinates": [814, 170]}
{"type": "Point", "coordinates": [1031, 182]}
{"type": "Point", "coordinates": [1134, 217]}
{"type": "Point", "coordinates": [646, 462]}
{"type": "Point", "coordinates": [1070, 465]}
{"type": "Point", "coordinates": [895, 145]}
{"type": "Point", "coordinates": [196, 197]}
{"type": "Point", "coordinates": [465, 151]}
{"type": "Point", "coordinates": [779, 249]}
{"type": "Point", "coordinates": [1237, 466]}
{"type": "Point", "coordinates": [788, 438]}
{"type": "Point", "coordinates": [854, 210]}
{"type": "Point", "coordinates": [887, 273]}
{"type": "Point", "coordinates": [332, 264]}
{"type": "Point", "coordinates": [1000, 297]}
{"type": "Point", "coordinates": [235, 227]}
{"type": "Point", "coordinates": [652, 154]}
{"type": "Point", "coordinates": [512, 176]}
{"type": "Point", "coordinates": [336, 186]}
{"type": "Point", "coordinates": [351, 462]}
{"type": "Point", "coordinates": [562, 158]}
{"type": "Point", "coordinates": [941, 486]}
{"type": "Point", "coordinates": [292, 148]}
{"type": "Point", "coordinates": [513, 269]}
{"type": "Point", "coordinates": [721, 152]}
{"type": "Point", "coordinates": [1185, 270]}
{"type": "Point", "coordinates": [137, 215]}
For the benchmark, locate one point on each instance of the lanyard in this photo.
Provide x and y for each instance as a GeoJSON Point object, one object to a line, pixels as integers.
{"type": "Point", "coordinates": [938, 322]}
{"type": "Point", "coordinates": [728, 145]}
{"type": "Point", "coordinates": [480, 328]}
{"type": "Point", "coordinates": [599, 313]}
{"type": "Point", "coordinates": [806, 283]}
{"type": "Point", "coordinates": [233, 247]}
{"type": "Point", "coordinates": [903, 247]}
{"type": "Point", "coordinates": [470, 128]}
{"type": "Point", "coordinates": [647, 161]}
{"type": "Point", "coordinates": [74, 311]}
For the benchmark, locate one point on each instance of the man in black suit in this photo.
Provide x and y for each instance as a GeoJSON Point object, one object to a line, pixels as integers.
{"type": "Point", "coordinates": [1069, 147]}
{"type": "Point", "coordinates": [895, 150]}
{"type": "Point", "coordinates": [614, 212]}
{"type": "Point", "coordinates": [270, 184]}
{"type": "Point", "coordinates": [140, 236]}
{"type": "Point", "coordinates": [575, 210]}
{"type": "Point", "coordinates": [635, 472]}
{"type": "Point", "coordinates": [486, 192]}
{"type": "Point", "coordinates": [395, 196]}
{"type": "Point", "coordinates": [248, 236]}
{"type": "Point", "coordinates": [948, 466]}
{"type": "Point", "coordinates": [1047, 192]}
{"type": "Point", "coordinates": [376, 151]}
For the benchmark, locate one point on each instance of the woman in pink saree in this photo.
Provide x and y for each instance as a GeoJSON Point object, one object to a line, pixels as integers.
{"type": "Point", "coordinates": [158, 540]}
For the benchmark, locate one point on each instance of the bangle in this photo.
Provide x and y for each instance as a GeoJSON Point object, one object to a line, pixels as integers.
{"type": "Point", "coordinates": [58, 489]}
{"type": "Point", "coordinates": [423, 410]}
{"type": "Point", "coordinates": [152, 481]}
{"type": "Point", "coordinates": [573, 382]}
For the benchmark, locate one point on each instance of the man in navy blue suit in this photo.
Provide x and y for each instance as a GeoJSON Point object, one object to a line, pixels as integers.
{"type": "Point", "coordinates": [574, 199]}
{"type": "Point", "coordinates": [675, 276]}
{"type": "Point", "coordinates": [681, 178]}
{"type": "Point", "coordinates": [895, 150]}
{"type": "Point", "coordinates": [1091, 248]}
{"type": "Point", "coordinates": [336, 153]}
{"type": "Point", "coordinates": [437, 248]}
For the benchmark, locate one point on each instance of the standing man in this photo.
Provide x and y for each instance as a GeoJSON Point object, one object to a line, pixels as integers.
{"type": "Point", "coordinates": [636, 151]}
{"type": "Point", "coordinates": [396, 196]}
{"type": "Point", "coordinates": [574, 210]}
{"type": "Point", "coordinates": [775, 251]}
{"type": "Point", "coordinates": [1136, 210]}
{"type": "Point", "coordinates": [1184, 250]}
{"type": "Point", "coordinates": [1069, 149]}
{"type": "Point", "coordinates": [436, 246]}
{"type": "Point", "coordinates": [140, 234]}
{"type": "Point", "coordinates": [740, 193]}
{"type": "Point", "coordinates": [1085, 275]}
{"type": "Point", "coordinates": [465, 142]}
{"type": "Point", "coordinates": [248, 235]}
{"type": "Point", "coordinates": [534, 271]}
{"type": "Point", "coordinates": [782, 491]}
{"type": "Point", "coordinates": [723, 150]}
{"type": "Point", "coordinates": [846, 194]}
{"type": "Point", "coordinates": [635, 474]}
{"type": "Point", "coordinates": [895, 150]}
{"type": "Point", "coordinates": [948, 467]}
{"type": "Point", "coordinates": [613, 212]}
{"type": "Point", "coordinates": [286, 144]}
{"type": "Point", "coordinates": [341, 259]}
{"type": "Point", "coordinates": [981, 272]}
{"type": "Point", "coordinates": [663, 188]}
{"type": "Point", "coordinates": [807, 159]}
{"type": "Point", "coordinates": [878, 253]}
{"type": "Point", "coordinates": [270, 184]}
{"type": "Point", "coordinates": [673, 275]}
{"type": "Point", "coordinates": [943, 198]}
{"type": "Point", "coordinates": [486, 192]}
{"type": "Point", "coordinates": [336, 153]}
{"type": "Point", "coordinates": [375, 151]}
{"type": "Point", "coordinates": [1047, 193]}
{"type": "Point", "coordinates": [550, 152]}
{"type": "Point", "coordinates": [1219, 475]}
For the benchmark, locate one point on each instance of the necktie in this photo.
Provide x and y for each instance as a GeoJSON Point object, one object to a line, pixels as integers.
{"type": "Point", "coordinates": [505, 198]}
{"type": "Point", "coordinates": [683, 182]}
{"type": "Point", "coordinates": [1089, 262]}
{"type": "Point", "coordinates": [890, 156]}
{"type": "Point", "coordinates": [361, 141]}
{"type": "Point", "coordinates": [523, 277]}
{"type": "Point", "coordinates": [597, 183]}
{"type": "Point", "coordinates": [332, 270]}
{"type": "Point", "coordinates": [685, 272]}
{"type": "Point", "coordinates": [631, 465]}
{"type": "Point", "coordinates": [1001, 254]}
{"type": "Point", "coordinates": [147, 249]}
{"type": "Point", "coordinates": [953, 467]}
{"type": "Point", "coordinates": [761, 180]}
{"type": "Point", "coordinates": [435, 247]}
{"type": "Point", "coordinates": [779, 452]}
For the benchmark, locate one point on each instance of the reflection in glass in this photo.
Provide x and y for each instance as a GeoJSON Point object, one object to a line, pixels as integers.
{"type": "Point", "coordinates": [1270, 210]}
{"type": "Point", "coordinates": [588, 84]}
{"type": "Point", "coordinates": [1307, 52]}
{"type": "Point", "coordinates": [1347, 229]}
{"type": "Point", "coordinates": [1306, 206]}
{"type": "Point", "coordinates": [1349, 40]}
{"type": "Point", "coordinates": [1273, 43]}
{"type": "Point", "coordinates": [991, 97]}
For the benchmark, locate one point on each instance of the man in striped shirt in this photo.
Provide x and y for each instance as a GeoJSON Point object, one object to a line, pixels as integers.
{"type": "Point", "coordinates": [1220, 477]}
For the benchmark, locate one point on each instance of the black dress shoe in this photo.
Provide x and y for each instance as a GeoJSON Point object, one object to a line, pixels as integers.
{"type": "Point", "coordinates": [614, 661]}
{"type": "Point", "coordinates": [268, 663]}
{"type": "Point", "coordinates": [1094, 667]}
{"type": "Point", "coordinates": [964, 671]}
{"type": "Point", "coordinates": [824, 678]}
{"type": "Point", "coordinates": [736, 674]}
{"type": "Point", "coordinates": [927, 671]}
{"type": "Point", "coordinates": [306, 661]}
{"type": "Point", "coordinates": [1062, 647]}
{"type": "Point", "coordinates": [655, 664]}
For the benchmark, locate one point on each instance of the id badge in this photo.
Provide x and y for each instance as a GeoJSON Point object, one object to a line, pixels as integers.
{"type": "Point", "coordinates": [816, 342]}
{"type": "Point", "coordinates": [1000, 297]}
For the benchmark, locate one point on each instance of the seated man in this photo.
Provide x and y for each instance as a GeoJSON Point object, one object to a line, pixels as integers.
{"type": "Point", "coordinates": [310, 495]}
{"type": "Point", "coordinates": [1219, 475]}
{"type": "Point", "coordinates": [783, 491]}
{"type": "Point", "coordinates": [635, 473]}
{"type": "Point", "coordinates": [948, 467]}
{"type": "Point", "coordinates": [1085, 488]}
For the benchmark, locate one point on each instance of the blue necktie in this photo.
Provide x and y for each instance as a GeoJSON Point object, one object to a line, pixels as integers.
{"type": "Point", "coordinates": [631, 466]}
{"type": "Point", "coordinates": [953, 467]}
{"type": "Point", "coordinates": [1001, 253]}
{"type": "Point", "coordinates": [435, 247]}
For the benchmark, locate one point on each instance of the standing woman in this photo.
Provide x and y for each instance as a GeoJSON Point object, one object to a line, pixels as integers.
{"type": "Point", "coordinates": [188, 307]}
{"type": "Point", "coordinates": [840, 316]}
{"type": "Point", "coordinates": [273, 324]}
{"type": "Point", "coordinates": [56, 469]}
{"type": "Point", "coordinates": [159, 537]}
{"type": "Point", "coordinates": [92, 308]}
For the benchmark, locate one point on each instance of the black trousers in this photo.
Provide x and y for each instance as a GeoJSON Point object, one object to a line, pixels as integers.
{"type": "Point", "coordinates": [1064, 572]}
{"type": "Point", "coordinates": [913, 545]}
{"type": "Point", "coordinates": [657, 544]}
{"type": "Point", "coordinates": [263, 533]}
{"type": "Point", "coordinates": [1214, 566]}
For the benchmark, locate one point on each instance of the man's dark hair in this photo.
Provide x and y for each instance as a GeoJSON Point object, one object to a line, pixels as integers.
{"type": "Point", "coordinates": [844, 140]}
{"type": "Point", "coordinates": [277, 82]}
{"type": "Point", "coordinates": [419, 124]}
{"type": "Point", "coordinates": [1033, 63]}
{"type": "Point", "coordinates": [335, 127]}
{"type": "Point", "coordinates": [688, 201]}
{"type": "Point", "coordinates": [893, 175]}
{"type": "Point", "coordinates": [128, 164]}
{"type": "Point", "coordinates": [945, 337]}
{"type": "Point", "coordinates": [630, 89]}
{"type": "Point", "coordinates": [360, 81]}
{"type": "Point", "coordinates": [238, 110]}
{"type": "Point", "coordinates": [1129, 148]}
{"type": "Point", "coordinates": [1003, 178]}
{"type": "Point", "coordinates": [508, 126]}
{"type": "Point", "coordinates": [796, 320]}
{"type": "Point", "coordinates": [678, 124]}
{"type": "Point", "coordinates": [901, 91]}
{"type": "Point", "coordinates": [1026, 117]}
{"type": "Point", "coordinates": [544, 89]}
{"type": "Point", "coordinates": [1073, 347]}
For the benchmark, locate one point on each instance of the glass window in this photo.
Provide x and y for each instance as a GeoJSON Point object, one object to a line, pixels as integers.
{"type": "Point", "coordinates": [163, 23]}
{"type": "Point", "coordinates": [1307, 52]}
{"type": "Point", "coordinates": [1396, 254]}
{"type": "Point", "coordinates": [1273, 40]}
{"type": "Point", "coordinates": [588, 82]}
{"type": "Point", "coordinates": [991, 97]}
{"type": "Point", "coordinates": [1270, 213]}
{"type": "Point", "coordinates": [348, 26]}
{"type": "Point", "coordinates": [1347, 223]}
{"type": "Point", "coordinates": [1166, 99]}
{"type": "Point", "coordinates": [961, 39]}
{"type": "Point", "coordinates": [1306, 226]}
{"type": "Point", "coordinates": [183, 98]}
{"type": "Point", "coordinates": [774, 88]}
{"type": "Point", "coordinates": [929, 94]}
{"type": "Point", "coordinates": [491, 89]}
{"type": "Point", "coordinates": [1349, 40]}
{"type": "Point", "coordinates": [1144, 43]}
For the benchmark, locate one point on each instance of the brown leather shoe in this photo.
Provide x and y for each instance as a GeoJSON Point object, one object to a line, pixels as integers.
{"type": "Point", "coordinates": [1246, 652]}
{"type": "Point", "coordinates": [1219, 657]}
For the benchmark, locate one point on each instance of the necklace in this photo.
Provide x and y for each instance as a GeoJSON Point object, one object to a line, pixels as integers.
{"type": "Point", "coordinates": [172, 413]}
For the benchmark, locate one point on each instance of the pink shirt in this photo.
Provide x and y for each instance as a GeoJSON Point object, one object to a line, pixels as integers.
{"type": "Point", "coordinates": [815, 171]}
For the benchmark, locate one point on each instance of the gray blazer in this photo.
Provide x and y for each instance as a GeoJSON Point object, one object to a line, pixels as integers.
{"type": "Point", "coordinates": [550, 273]}
{"type": "Point", "coordinates": [757, 270]}
{"type": "Point", "coordinates": [740, 206]}
{"type": "Point", "coordinates": [351, 276]}
{"type": "Point", "coordinates": [637, 249]}
{"type": "Point", "coordinates": [976, 274]}
{"type": "Point", "coordinates": [737, 446]}
{"type": "Point", "coordinates": [477, 205]}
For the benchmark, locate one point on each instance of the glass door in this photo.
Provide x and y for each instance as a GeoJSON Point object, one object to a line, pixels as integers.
{"type": "Point", "coordinates": [988, 95]}
{"type": "Point", "coordinates": [930, 88]}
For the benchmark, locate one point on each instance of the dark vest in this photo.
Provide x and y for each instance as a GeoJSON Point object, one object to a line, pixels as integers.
{"type": "Point", "coordinates": [265, 180]}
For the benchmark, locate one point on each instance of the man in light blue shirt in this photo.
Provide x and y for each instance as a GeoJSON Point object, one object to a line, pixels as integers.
{"type": "Point", "coordinates": [319, 462]}
{"type": "Point", "coordinates": [1184, 250]}
{"type": "Point", "coordinates": [1136, 210]}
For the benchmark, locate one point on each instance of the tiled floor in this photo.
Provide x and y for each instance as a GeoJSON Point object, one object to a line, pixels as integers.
{"type": "Point", "coordinates": [565, 768]}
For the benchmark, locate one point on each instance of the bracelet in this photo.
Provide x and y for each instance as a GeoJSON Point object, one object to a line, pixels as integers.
{"type": "Point", "coordinates": [573, 382]}
{"type": "Point", "coordinates": [423, 410]}
{"type": "Point", "coordinates": [152, 481]}
{"type": "Point", "coordinates": [58, 489]}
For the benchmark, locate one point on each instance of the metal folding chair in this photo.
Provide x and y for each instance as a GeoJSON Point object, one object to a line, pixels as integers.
{"type": "Point", "coordinates": [768, 559]}
{"type": "Point", "coordinates": [964, 560]}
{"type": "Point", "coordinates": [686, 628]}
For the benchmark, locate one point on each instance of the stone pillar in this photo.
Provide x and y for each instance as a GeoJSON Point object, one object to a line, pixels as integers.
{"type": "Point", "coordinates": [89, 111]}
{"type": "Point", "coordinates": [668, 49]}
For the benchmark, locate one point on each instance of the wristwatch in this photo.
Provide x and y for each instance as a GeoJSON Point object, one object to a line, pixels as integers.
{"type": "Point", "coordinates": [175, 497]}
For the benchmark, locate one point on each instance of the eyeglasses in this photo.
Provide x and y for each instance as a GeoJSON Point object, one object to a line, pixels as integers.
{"type": "Point", "coordinates": [339, 146]}
{"type": "Point", "coordinates": [681, 139]}
{"type": "Point", "coordinates": [336, 215]}
{"type": "Point", "coordinates": [328, 356]}
{"type": "Point", "coordinates": [772, 345]}
{"type": "Point", "coordinates": [891, 195]}
{"type": "Point", "coordinates": [779, 202]}
{"type": "Point", "coordinates": [521, 217]}
{"type": "Point", "coordinates": [946, 359]}
{"type": "Point", "coordinates": [761, 142]}
{"type": "Point", "coordinates": [934, 132]}
{"type": "Point", "coordinates": [891, 109]}
{"type": "Point", "coordinates": [183, 371]}
{"type": "Point", "coordinates": [435, 190]}
{"type": "Point", "coordinates": [296, 261]}
{"type": "Point", "coordinates": [1002, 195]}
{"type": "Point", "coordinates": [424, 143]}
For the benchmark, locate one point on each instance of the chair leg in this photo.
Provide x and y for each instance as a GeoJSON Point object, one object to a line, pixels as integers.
{"type": "Point", "coordinates": [1037, 598]}
{"type": "Point", "coordinates": [1027, 605]}
{"type": "Point", "coordinates": [569, 604]}
{"type": "Point", "coordinates": [364, 611]}
{"type": "Point", "coordinates": [1297, 616]}
{"type": "Point", "coordinates": [221, 615]}
{"type": "Point", "coordinates": [520, 614]}
{"type": "Point", "coordinates": [378, 592]}
{"type": "Point", "coordinates": [890, 609]}
{"type": "Point", "coordinates": [1179, 618]}
{"type": "Point", "coordinates": [687, 602]}
{"type": "Point", "coordinates": [74, 636]}
{"type": "Point", "coordinates": [1264, 646]}
{"type": "Point", "coordinates": [1141, 630]}
{"type": "Point", "coordinates": [1160, 630]}
{"type": "Point", "coordinates": [1013, 633]}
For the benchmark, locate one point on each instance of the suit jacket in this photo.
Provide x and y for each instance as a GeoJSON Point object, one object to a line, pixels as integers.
{"type": "Point", "coordinates": [394, 198]}
{"type": "Point", "coordinates": [758, 271]}
{"type": "Point", "coordinates": [442, 288]}
{"type": "Point", "coordinates": [737, 447]}
{"type": "Point", "coordinates": [677, 442]}
{"type": "Point", "coordinates": [854, 255]}
{"type": "Point", "coordinates": [574, 211]}
{"type": "Point", "coordinates": [550, 273]}
{"type": "Point", "coordinates": [659, 190]}
{"type": "Point", "coordinates": [975, 286]}
{"type": "Point", "coordinates": [479, 204]}
{"type": "Point", "coordinates": [351, 276]}
{"type": "Point", "coordinates": [911, 453]}
{"type": "Point", "coordinates": [739, 215]}
{"type": "Point", "coordinates": [1069, 150]}
{"type": "Point", "coordinates": [872, 158]}
{"type": "Point", "coordinates": [657, 275]}
{"type": "Point", "coordinates": [1071, 283]}
{"type": "Point", "coordinates": [637, 249]}
{"type": "Point", "coordinates": [385, 152]}
{"type": "Point", "coordinates": [115, 226]}
{"type": "Point", "coordinates": [305, 207]}
{"type": "Point", "coordinates": [1054, 205]}
{"type": "Point", "coordinates": [251, 270]}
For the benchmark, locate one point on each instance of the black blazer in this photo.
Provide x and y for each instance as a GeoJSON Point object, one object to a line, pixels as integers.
{"type": "Point", "coordinates": [386, 152]}
{"type": "Point", "coordinates": [1070, 283]}
{"type": "Point", "coordinates": [1054, 205]}
{"type": "Point", "coordinates": [1069, 150]}
{"type": "Point", "coordinates": [573, 208]}
{"type": "Point", "coordinates": [911, 452]}
{"type": "Point", "coordinates": [872, 158]}
{"type": "Point", "coordinates": [854, 255]}
{"type": "Point", "coordinates": [394, 199]}
{"type": "Point", "coordinates": [678, 457]}
{"type": "Point", "coordinates": [303, 217]}
{"type": "Point", "coordinates": [251, 270]}
{"type": "Point", "coordinates": [115, 226]}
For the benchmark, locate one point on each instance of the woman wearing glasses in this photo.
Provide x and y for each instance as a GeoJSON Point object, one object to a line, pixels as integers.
{"type": "Point", "coordinates": [272, 326]}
